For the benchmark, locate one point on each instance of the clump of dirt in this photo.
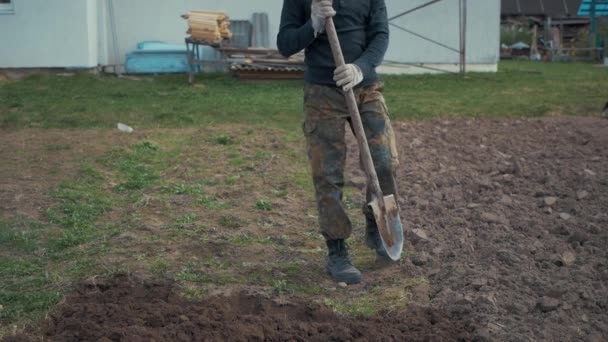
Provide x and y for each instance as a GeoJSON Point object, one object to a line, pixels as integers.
{"type": "Point", "coordinates": [127, 309]}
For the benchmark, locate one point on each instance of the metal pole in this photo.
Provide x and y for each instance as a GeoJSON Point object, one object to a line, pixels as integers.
{"type": "Point", "coordinates": [593, 24]}
{"type": "Point", "coordinates": [413, 10]}
{"type": "Point", "coordinates": [423, 37]}
{"type": "Point", "coordinates": [463, 35]}
{"type": "Point", "coordinates": [460, 35]}
{"type": "Point", "coordinates": [114, 36]}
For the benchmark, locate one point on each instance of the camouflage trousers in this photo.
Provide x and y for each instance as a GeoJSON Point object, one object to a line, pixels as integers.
{"type": "Point", "coordinates": [324, 126]}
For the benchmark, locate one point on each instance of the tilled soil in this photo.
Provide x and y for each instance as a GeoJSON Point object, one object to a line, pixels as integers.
{"type": "Point", "coordinates": [125, 309]}
{"type": "Point", "coordinates": [507, 219]}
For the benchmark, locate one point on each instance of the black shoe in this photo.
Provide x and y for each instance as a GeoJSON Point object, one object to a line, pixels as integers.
{"type": "Point", "coordinates": [339, 264]}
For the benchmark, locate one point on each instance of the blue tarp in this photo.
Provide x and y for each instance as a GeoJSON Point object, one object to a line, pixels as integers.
{"type": "Point", "coordinates": [152, 57]}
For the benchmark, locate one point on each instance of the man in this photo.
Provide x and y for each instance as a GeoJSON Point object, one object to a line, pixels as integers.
{"type": "Point", "coordinates": [362, 27]}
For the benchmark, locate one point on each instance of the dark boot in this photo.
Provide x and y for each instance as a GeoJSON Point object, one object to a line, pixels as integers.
{"type": "Point", "coordinates": [373, 240]}
{"type": "Point", "coordinates": [339, 264]}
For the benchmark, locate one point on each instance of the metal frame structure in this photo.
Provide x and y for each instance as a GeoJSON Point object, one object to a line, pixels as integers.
{"type": "Point", "coordinates": [462, 50]}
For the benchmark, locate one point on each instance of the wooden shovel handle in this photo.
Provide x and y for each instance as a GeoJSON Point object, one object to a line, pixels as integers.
{"type": "Point", "coordinates": [353, 109]}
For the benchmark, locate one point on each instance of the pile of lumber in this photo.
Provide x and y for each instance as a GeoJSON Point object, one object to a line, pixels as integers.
{"type": "Point", "coordinates": [263, 64]}
{"type": "Point", "coordinates": [208, 26]}
{"type": "Point", "coordinates": [261, 55]}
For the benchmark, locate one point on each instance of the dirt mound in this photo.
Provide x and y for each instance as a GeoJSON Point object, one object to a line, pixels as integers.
{"type": "Point", "coordinates": [124, 309]}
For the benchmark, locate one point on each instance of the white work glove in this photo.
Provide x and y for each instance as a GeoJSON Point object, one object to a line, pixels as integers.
{"type": "Point", "coordinates": [348, 76]}
{"type": "Point", "coordinates": [320, 11]}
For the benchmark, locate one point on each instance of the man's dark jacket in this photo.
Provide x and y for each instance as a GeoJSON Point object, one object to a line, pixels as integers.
{"type": "Point", "coordinates": [362, 27]}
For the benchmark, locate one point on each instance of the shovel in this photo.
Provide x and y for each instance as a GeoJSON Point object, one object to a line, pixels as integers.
{"type": "Point", "coordinates": [385, 208]}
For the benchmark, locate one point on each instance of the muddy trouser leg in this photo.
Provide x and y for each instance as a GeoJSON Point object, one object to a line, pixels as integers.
{"type": "Point", "coordinates": [324, 130]}
{"type": "Point", "coordinates": [381, 140]}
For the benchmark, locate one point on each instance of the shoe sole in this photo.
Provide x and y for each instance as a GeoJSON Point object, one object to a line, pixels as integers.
{"type": "Point", "coordinates": [349, 281]}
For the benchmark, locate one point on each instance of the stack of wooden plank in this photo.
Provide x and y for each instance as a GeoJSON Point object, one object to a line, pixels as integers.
{"type": "Point", "coordinates": [263, 64]}
{"type": "Point", "coordinates": [208, 26]}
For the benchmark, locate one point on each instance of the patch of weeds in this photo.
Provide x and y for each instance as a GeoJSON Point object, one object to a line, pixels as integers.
{"type": "Point", "coordinates": [290, 269]}
{"type": "Point", "coordinates": [394, 302]}
{"type": "Point", "coordinates": [207, 182]}
{"type": "Point", "coordinates": [82, 203]}
{"type": "Point", "coordinates": [279, 287]}
{"type": "Point", "coordinates": [308, 290]}
{"type": "Point", "coordinates": [262, 155]}
{"type": "Point", "coordinates": [21, 235]}
{"type": "Point", "coordinates": [361, 307]}
{"type": "Point", "coordinates": [224, 140]}
{"type": "Point", "coordinates": [413, 282]}
{"type": "Point", "coordinates": [159, 266]}
{"type": "Point", "coordinates": [282, 240]}
{"type": "Point", "coordinates": [18, 273]}
{"type": "Point", "coordinates": [81, 267]}
{"type": "Point", "coordinates": [244, 239]}
{"type": "Point", "coordinates": [27, 304]}
{"type": "Point", "coordinates": [349, 203]}
{"type": "Point", "coordinates": [22, 294]}
{"type": "Point", "coordinates": [144, 146]}
{"type": "Point", "coordinates": [193, 292]}
{"type": "Point", "coordinates": [302, 178]}
{"type": "Point", "coordinates": [186, 219]}
{"type": "Point", "coordinates": [335, 306]}
{"type": "Point", "coordinates": [230, 221]}
{"type": "Point", "coordinates": [280, 192]}
{"type": "Point", "coordinates": [314, 235]}
{"type": "Point", "coordinates": [210, 262]}
{"type": "Point", "coordinates": [237, 162]}
{"type": "Point", "coordinates": [189, 273]}
{"type": "Point", "coordinates": [232, 179]}
{"type": "Point", "coordinates": [183, 189]}
{"type": "Point", "coordinates": [212, 203]}
{"type": "Point", "coordinates": [29, 283]}
{"type": "Point", "coordinates": [135, 166]}
{"type": "Point", "coordinates": [263, 205]}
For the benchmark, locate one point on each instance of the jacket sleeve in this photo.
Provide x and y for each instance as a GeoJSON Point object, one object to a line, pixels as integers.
{"type": "Point", "coordinates": [296, 31]}
{"type": "Point", "coordinates": [377, 36]}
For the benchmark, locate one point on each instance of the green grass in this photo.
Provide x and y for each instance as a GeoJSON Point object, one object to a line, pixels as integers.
{"type": "Point", "coordinates": [86, 101]}
{"type": "Point", "coordinates": [42, 259]}
{"type": "Point", "coordinates": [263, 205]}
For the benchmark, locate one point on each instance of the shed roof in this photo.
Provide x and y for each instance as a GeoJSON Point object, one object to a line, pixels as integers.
{"type": "Point", "coordinates": [548, 8]}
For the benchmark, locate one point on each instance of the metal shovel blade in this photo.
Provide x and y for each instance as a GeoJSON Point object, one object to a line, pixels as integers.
{"type": "Point", "coordinates": [389, 226]}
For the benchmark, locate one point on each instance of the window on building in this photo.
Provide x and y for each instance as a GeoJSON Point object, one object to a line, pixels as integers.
{"type": "Point", "coordinates": [7, 6]}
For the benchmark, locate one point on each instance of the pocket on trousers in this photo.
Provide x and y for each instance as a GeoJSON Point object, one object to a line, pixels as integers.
{"type": "Point", "coordinates": [309, 126]}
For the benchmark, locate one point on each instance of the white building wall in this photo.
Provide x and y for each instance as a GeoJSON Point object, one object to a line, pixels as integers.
{"type": "Point", "coordinates": [440, 22]}
{"type": "Point", "coordinates": [43, 33]}
{"type": "Point", "coordinates": [78, 33]}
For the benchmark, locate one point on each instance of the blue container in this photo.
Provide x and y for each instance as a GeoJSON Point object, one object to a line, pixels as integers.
{"type": "Point", "coordinates": [153, 57]}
